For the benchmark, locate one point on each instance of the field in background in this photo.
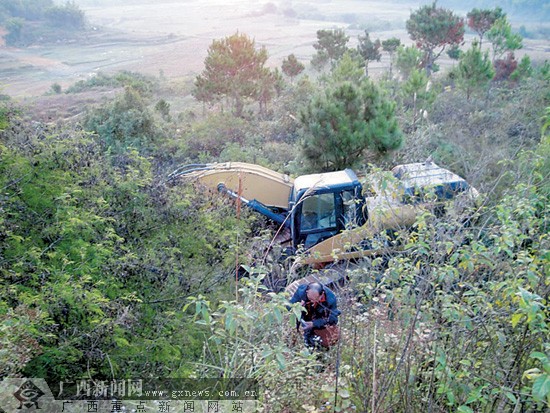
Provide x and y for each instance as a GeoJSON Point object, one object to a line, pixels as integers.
{"type": "Point", "coordinates": [172, 38]}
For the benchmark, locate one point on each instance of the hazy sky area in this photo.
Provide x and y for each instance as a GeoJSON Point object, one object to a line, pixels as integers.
{"type": "Point", "coordinates": [172, 37]}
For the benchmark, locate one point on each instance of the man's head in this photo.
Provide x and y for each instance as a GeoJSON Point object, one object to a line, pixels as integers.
{"type": "Point", "coordinates": [314, 292]}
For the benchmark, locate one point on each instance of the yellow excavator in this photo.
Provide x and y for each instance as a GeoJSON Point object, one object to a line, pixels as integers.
{"type": "Point", "coordinates": [332, 216]}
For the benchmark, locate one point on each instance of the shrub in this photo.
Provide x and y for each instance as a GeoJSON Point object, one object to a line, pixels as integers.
{"type": "Point", "coordinates": [142, 83]}
{"type": "Point", "coordinates": [68, 16]}
{"type": "Point", "coordinates": [505, 67]}
{"type": "Point", "coordinates": [212, 134]}
{"type": "Point", "coordinates": [124, 123]}
{"type": "Point", "coordinates": [56, 88]}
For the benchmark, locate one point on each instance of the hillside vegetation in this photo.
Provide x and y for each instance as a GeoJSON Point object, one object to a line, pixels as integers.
{"type": "Point", "coordinates": [107, 270]}
{"type": "Point", "coordinates": [39, 21]}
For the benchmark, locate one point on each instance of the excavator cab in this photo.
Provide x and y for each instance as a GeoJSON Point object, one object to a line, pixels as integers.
{"type": "Point", "coordinates": [323, 205]}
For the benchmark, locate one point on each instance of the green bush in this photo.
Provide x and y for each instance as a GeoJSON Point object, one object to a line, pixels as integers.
{"type": "Point", "coordinates": [210, 136]}
{"type": "Point", "coordinates": [68, 16]}
{"type": "Point", "coordinates": [98, 258]}
{"type": "Point", "coordinates": [126, 122]}
{"type": "Point", "coordinates": [30, 21]}
{"type": "Point", "coordinates": [457, 321]}
{"type": "Point", "coordinates": [26, 9]}
{"type": "Point", "coordinates": [251, 338]}
{"type": "Point", "coordinates": [142, 83]}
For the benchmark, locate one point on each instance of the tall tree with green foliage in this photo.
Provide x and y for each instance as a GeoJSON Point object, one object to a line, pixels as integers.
{"type": "Point", "coordinates": [346, 123]}
{"type": "Point", "coordinates": [234, 68]}
{"type": "Point", "coordinates": [502, 38]}
{"type": "Point", "coordinates": [269, 85]}
{"type": "Point", "coordinates": [390, 46]}
{"type": "Point", "coordinates": [369, 50]}
{"type": "Point", "coordinates": [474, 70]}
{"type": "Point", "coordinates": [15, 27]}
{"type": "Point", "coordinates": [292, 67]}
{"type": "Point", "coordinates": [433, 29]}
{"type": "Point", "coordinates": [481, 20]}
{"type": "Point", "coordinates": [331, 46]}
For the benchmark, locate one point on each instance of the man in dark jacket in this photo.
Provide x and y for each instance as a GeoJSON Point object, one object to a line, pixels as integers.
{"type": "Point", "coordinates": [321, 312]}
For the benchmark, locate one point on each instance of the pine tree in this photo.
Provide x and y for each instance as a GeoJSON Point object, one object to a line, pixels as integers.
{"type": "Point", "coordinates": [523, 70]}
{"type": "Point", "coordinates": [474, 70]}
{"type": "Point", "coordinates": [233, 69]}
{"type": "Point", "coordinates": [346, 123]}
{"type": "Point", "coordinates": [369, 50]}
{"type": "Point", "coordinates": [349, 68]}
{"type": "Point", "coordinates": [390, 46]}
{"type": "Point", "coordinates": [408, 59]}
{"type": "Point", "coordinates": [417, 94]}
{"type": "Point", "coordinates": [433, 29]}
{"type": "Point", "coordinates": [502, 39]}
{"type": "Point", "coordinates": [292, 67]}
{"type": "Point", "coordinates": [331, 46]}
{"type": "Point", "coordinates": [481, 20]}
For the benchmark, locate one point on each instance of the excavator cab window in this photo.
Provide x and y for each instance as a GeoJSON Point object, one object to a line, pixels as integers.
{"type": "Point", "coordinates": [318, 212]}
{"type": "Point", "coordinates": [317, 219]}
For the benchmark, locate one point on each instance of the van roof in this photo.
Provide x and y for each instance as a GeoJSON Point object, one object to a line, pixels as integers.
{"type": "Point", "coordinates": [428, 175]}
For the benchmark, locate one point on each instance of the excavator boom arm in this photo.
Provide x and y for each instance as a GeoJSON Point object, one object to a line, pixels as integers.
{"type": "Point", "coordinates": [252, 182]}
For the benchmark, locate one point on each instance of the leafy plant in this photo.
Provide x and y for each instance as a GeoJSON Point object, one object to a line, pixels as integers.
{"type": "Point", "coordinates": [408, 59]}
{"type": "Point", "coordinates": [249, 337]}
{"type": "Point", "coordinates": [502, 38]}
{"type": "Point", "coordinates": [390, 46]}
{"type": "Point", "coordinates": [124, 123]}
